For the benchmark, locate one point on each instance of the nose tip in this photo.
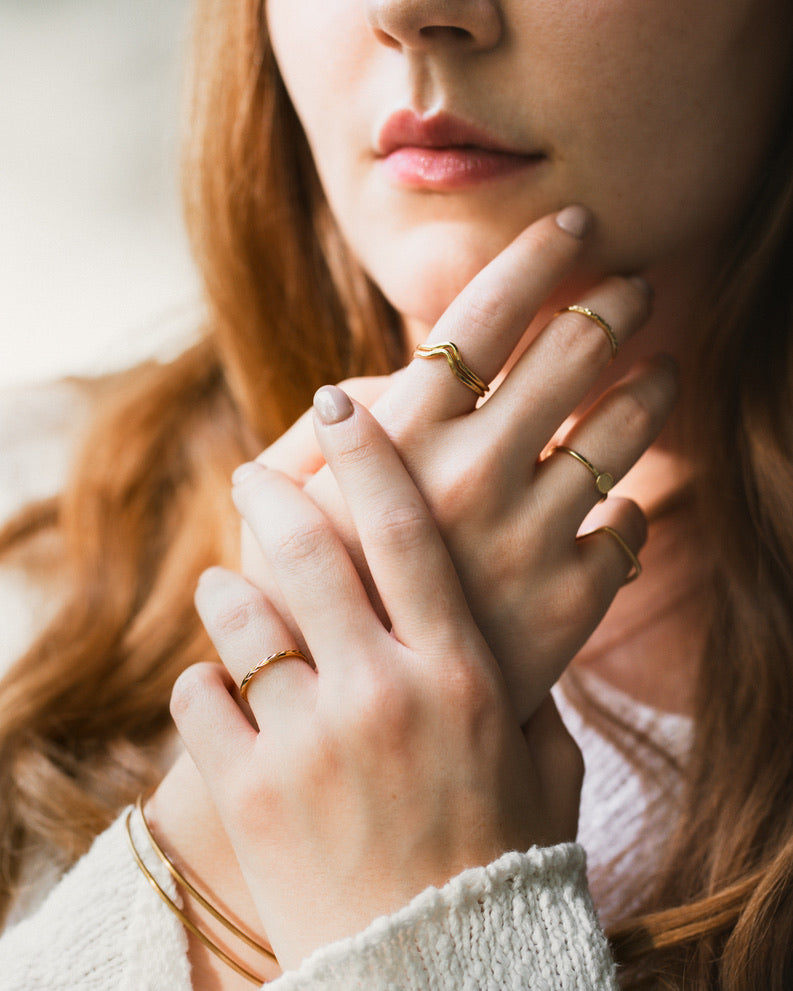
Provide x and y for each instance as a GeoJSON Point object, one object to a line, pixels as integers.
{"type": "Point", "coordinates": [424, 25]}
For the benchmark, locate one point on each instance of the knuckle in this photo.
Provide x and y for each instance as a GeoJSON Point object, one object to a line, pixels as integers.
{"type": "Point", "coordinates": [253, 795]}
{"type": "Point", "coordinates": [300, 545]}
{"type": "Point", "coordinates": [231, 617]}
{"type": "Point", "coordinates": [468, 688]}
{"type": "Point", "coordinates": [382, 713]}
{"type": "Point", "coordinates": [359, 450]}
{"type": "Point", "coordinates": [402, 528]}
{"type": "Point", "coordinates": [633, 414]}
{"type": "Point", "coordinates": [482, 309]}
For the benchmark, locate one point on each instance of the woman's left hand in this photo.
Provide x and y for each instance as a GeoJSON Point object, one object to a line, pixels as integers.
{"type": "Point", "coordinates": [398, 761]}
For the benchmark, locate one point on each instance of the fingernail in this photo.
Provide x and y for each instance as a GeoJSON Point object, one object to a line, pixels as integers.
{"type": "Point", "coordinates": [209, 575]}
{"type": "Point", "coordinates": [642, 284]}
{"type": "Point", "coordinates": [244, 471]}
{"type": "Point", "coordinates": [332, 404]}
{"type": "Point", "coordinates": [575, 220]}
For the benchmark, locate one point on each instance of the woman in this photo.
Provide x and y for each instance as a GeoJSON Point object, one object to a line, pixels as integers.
{"type": "Point", "coordinates": [331, 251]}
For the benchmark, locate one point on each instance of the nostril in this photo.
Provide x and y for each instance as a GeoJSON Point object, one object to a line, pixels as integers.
{"type": "Point", "coordinates": [439, 32]}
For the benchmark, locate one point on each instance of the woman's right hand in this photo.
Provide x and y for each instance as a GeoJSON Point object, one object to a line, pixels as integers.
{"type": "Point", "coordinates": [509, 518]}
{"type": "Point", "coordinates": [395, 761]}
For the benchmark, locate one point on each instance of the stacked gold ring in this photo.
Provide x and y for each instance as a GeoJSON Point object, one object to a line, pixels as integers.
{"type": "Point", "coordinates": [451, 353]}
{"type": "Point", "coordinates": [271, 659]}
{"type": "Point", "coordinates": [604, 480]}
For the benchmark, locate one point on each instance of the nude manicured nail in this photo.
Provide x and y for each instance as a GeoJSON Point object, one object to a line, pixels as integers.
{"type": "Point", "coordinates": [332, 404]}
{"type": "Point", "coordinates": [575, 220]}
{"type": "Point", "coordinates": [642, 284]}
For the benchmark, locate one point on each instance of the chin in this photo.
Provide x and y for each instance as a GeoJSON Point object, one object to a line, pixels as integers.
{"type": "Point", "coordinates": [424, 270]}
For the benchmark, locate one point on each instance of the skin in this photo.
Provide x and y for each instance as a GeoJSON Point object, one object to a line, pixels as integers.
{"type": "Point", "coordinates": [655, 119]}
{"type": "Point", "coordinates": [706, 91]}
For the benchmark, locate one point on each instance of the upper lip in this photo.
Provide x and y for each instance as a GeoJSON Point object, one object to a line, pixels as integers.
{"type": "Point", "coordinates": [406, 128]}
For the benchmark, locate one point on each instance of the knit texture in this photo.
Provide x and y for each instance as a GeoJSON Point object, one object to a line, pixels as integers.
{"type": "Point", "coordinates": [103, 928]}
{"type": "Point", "coordinates": [524, 922]}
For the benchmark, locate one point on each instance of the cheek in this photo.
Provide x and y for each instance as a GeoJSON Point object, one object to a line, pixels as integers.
{"type": "Point", "coordinates": [323, 49]}
{"type": "Point", "coordinates": [667, 132]}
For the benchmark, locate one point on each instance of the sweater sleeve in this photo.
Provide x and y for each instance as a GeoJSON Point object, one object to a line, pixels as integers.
{"type": "Point", "coordinates": [524, 923]}
{"type": "Point", "coordinates": [102, 928]}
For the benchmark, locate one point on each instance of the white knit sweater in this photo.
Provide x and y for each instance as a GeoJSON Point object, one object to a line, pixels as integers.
{"type": "Point", "coordinates": [524, 922]}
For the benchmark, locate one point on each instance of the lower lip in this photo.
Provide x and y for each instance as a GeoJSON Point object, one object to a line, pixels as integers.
{"type": "Point", "coordinates": [452, 168]}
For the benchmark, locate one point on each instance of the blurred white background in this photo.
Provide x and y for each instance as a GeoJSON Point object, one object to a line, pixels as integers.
{"type": "Point", "coordinates": [94, 265]}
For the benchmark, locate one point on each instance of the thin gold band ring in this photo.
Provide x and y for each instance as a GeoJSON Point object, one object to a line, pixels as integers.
{"type": "Point", "coordinates": [271, 659]}
{"type": "Point", "coordinates": [604, 480]}
{"type": "Point", "coordinates": [604, 325]}
{"type": "Point", "coordinates": [454, 359]}
{"type": "Point", "coordinates": [636, 566]}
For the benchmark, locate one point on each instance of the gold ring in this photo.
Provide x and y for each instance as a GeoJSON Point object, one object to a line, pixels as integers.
{"type": "Point", "coordinates": [455, 361]}
{"type": "Point", "coordinates": [637, 568]}
{"type": "Point", "coordinates": [603, 324]}
{"type": "Point", "coordinates": [603, 480]}
{"type": "Point", "coordinates": [257, 668]}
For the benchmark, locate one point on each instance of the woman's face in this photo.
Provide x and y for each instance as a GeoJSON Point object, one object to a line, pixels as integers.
{"type": "Point", "coordinates": [441, 128]}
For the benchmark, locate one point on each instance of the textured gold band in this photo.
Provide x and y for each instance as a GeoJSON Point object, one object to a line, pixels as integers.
{"type": "Point", "coordinates": [603, 479]}
{"type": "Point", "coordinates": [451, 353]}
{"type": "Point", "coordinates": [604, 325]}
{"type": "Point", "coordinates": [257, 668]}
{"type": "Point", "coordinates": [637, 568]}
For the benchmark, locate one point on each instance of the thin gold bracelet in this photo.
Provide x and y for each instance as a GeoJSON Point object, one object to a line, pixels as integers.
{"type": "Point", "coordinates": [202, 936]}
{"type": "Point", "coordinates": [181, 880]}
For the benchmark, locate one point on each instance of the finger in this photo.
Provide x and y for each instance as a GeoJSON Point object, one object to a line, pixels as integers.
{"type": "Point", "coordinates": [316, 577]}
{"type": "Point", "coordinates": [559, 765]}
{"type": "Point", "coordinates": [562, 364]}
{"type": "Point", "coordinates": [296, 452]}
{"type": "Point", "coordinates": [610, 437]}
{"type": "Point", "coordinates": [246, 629]}
{"type": "Point", "coordinates": [406, 556]}
{"type": "Point", "coordinates": [212, 726]}
{"type": "Point", "coordinates": [608, 546]}
{"type": "Point", "coordinates": [488, 318]}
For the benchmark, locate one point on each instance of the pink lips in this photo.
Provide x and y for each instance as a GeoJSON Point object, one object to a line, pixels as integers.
{"type": "Point", "coordinates": [442, 152]}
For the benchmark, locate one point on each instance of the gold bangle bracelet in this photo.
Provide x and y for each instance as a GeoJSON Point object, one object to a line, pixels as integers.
{"type": "Point", "coordinates": [180, 879]}
{"type": "Point", "coordinates": [198, 933]}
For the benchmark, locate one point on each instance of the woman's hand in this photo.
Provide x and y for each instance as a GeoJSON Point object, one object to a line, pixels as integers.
{"type": "Point", "coordinates": [508, 518]}
{"type": "Point", "coordinates": [399, 761]}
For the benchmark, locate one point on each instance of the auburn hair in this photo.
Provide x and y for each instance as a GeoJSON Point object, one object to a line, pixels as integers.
{"type": "Point", "coordinates": [84, 713]}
